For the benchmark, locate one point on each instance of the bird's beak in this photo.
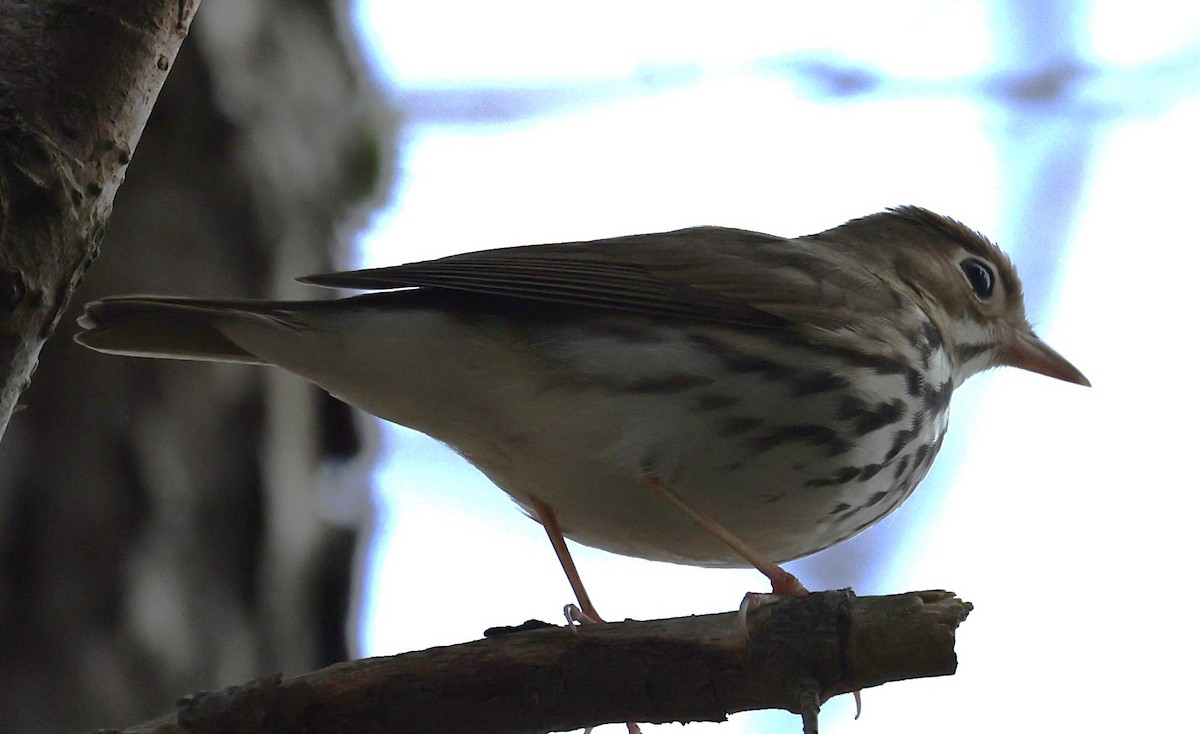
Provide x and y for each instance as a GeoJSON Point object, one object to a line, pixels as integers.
{"type": "Point", "coordinates": [1028, 352]}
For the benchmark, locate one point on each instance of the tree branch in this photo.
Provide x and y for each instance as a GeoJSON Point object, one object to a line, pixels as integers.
{"type": "Point", "coordinates": [77, 81]}
{"type": "Point", "coordinates": [798, 653]}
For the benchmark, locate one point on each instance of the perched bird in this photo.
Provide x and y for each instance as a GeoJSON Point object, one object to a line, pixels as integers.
{"type": "Point", "coordinates": [708, 396]}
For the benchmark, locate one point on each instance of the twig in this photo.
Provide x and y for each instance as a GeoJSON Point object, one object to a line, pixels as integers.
{"type": "Point", "coordinates": [794, 655]}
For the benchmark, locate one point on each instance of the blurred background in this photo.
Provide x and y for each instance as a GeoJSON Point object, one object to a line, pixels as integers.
{"type": "Point", "coordinates": [215, 523]}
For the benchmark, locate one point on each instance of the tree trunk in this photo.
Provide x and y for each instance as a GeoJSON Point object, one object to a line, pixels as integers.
{"type": "Point", "coordinates": [159, 524]}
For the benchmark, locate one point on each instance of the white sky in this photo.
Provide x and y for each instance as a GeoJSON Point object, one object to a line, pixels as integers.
{"type": "Point", "coordinates": [1064, 514]}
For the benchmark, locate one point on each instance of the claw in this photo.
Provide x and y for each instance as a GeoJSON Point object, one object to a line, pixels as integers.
{"type": "Point", "coordinates": [630, 726]}
{"type": "Point", "coordinates": [751, 601]}
{"type": "Point", "coordinates": [573, 614]}
{"type": "Point", "coordinates": [576, 616]}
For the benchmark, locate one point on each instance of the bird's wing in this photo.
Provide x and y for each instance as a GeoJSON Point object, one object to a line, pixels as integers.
{"type": "Point", "coordinates": [703, 273]}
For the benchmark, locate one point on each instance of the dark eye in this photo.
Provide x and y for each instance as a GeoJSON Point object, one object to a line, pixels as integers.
{"type": "Point", "coordinates": [980, 276]}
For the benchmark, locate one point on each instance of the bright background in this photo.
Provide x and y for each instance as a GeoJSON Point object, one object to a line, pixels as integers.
{"type": "Point", "coordinates": [1066, 131]}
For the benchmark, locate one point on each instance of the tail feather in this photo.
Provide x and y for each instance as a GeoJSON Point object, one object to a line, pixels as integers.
{"type": "Point", "coordinates": [171, 328]}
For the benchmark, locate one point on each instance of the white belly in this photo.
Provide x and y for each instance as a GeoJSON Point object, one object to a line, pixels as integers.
{"type": "Point", "coordinates": [543, 416]}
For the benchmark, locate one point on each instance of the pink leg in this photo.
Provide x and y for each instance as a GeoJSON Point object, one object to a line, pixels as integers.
{"type": "Point", "coordinates": [782, 582]}
{"type": "Point", "coordinates": [546, 516]}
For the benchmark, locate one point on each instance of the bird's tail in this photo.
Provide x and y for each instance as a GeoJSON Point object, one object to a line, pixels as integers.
{"type": "Point", "coordinates": [171, 328]}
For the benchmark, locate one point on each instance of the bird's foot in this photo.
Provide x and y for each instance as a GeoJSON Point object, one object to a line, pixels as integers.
{"type": "Point", "coordinates": [577, 617]}
{"type": "Point", "coordinates": [783, 585]}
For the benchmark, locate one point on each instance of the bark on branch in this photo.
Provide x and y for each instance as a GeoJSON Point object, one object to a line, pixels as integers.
{"type": "Point", "coordinates": [798, 653]}
{"type": "Point", "coordinates": [77, 82]}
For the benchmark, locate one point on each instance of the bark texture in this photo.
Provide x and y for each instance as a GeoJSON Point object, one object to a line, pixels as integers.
{"type": "Point", "coordinates": [78, 82]}
{"type": "Point", "coordinates": [160, 523]}
{"type": "Point", "coordinates": [792, 655]}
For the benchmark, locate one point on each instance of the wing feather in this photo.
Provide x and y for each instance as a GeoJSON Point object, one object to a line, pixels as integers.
{"type": "Point", "coordinates": [711, 274]}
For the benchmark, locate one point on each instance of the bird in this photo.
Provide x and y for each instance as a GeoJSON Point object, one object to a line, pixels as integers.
{"type": "Point", "coordinates": [707, 396]}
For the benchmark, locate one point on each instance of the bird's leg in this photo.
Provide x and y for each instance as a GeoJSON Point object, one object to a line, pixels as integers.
{"type": "Point", "coordinates": [546, 516]}
{"type": "Point", "coordinates": [782, 582]}
{"type": "Point", "coordinates": [585, 612]}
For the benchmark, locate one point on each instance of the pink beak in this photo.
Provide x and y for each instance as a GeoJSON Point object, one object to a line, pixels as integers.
{"type": "Point", "coordinates": [1028, 352]}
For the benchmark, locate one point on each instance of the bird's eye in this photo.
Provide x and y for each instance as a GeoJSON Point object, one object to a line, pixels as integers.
{"type": "Point", "coordinates": [980, 276]}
